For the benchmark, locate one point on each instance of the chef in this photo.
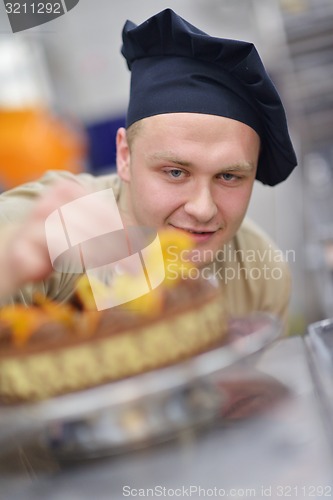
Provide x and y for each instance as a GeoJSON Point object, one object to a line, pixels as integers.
{"type": "Point", "coordinates": [204, 122]}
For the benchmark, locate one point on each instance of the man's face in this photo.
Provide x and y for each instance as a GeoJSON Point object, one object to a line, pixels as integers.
{"type": "Point", "coordinates": [192, 172]}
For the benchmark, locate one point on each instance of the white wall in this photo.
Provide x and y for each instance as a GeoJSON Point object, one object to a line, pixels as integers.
{"type": "Point", "coordinates": [89, 73]}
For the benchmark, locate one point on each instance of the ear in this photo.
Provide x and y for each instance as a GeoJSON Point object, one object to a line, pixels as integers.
{"type": "Point", "coordinates": [123, 155]}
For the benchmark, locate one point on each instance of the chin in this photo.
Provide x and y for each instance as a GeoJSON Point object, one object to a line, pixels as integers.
{"type": "Point", "coordinates": [209, 251]}
{"type": "Point", "coordinates": [203, 256]}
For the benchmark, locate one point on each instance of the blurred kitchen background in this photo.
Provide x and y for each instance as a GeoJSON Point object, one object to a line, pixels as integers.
{"type": "Point", "coordinates": [64, 89]}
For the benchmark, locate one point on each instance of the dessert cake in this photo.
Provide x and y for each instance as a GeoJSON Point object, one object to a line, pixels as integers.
{"type": "Point", "coordinates": [50, 349]}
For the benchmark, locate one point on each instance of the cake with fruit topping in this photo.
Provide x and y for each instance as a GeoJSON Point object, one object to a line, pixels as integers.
{"type": "Point", "coordinates": [50, 349]}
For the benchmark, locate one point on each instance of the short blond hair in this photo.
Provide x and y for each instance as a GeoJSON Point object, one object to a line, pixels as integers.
{"type": "Point", "coordinates": [132, 131]}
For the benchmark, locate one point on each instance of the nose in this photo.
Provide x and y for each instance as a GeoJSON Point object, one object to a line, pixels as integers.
{"type": "Point", "coordinates": [201, 205]}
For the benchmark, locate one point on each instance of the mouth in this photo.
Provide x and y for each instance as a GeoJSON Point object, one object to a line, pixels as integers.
{"type": "Point", "coordinates": [198, 235]}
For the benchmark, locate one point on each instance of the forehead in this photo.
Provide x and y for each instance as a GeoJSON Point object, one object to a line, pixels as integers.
{"type": "Point", "coordinates": [194, 131]}
{"type": "Point", "coordinates": [192, 125]}
{"type": "Point", "coordinates": [194, 140]}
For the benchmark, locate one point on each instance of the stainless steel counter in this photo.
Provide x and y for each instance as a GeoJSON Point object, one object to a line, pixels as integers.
{"type": "Point", "coordinates": [282, 453]}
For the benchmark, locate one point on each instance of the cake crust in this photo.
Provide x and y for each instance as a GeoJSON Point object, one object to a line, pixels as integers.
{"type": "Point", "coordinates": [102, 347]}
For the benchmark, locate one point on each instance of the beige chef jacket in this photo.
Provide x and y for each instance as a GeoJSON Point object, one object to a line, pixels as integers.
{"type": "Point", "coordinates": [250, 269]}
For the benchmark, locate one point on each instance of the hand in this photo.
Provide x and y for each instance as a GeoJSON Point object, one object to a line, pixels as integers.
{"type": "Point", "coordinates": [26, 258]}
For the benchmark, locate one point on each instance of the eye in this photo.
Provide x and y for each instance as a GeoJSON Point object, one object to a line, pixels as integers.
{"type": "Point", "coordinates": [228, 177]}
{"type": "Point", "coordinates": [175, 173]}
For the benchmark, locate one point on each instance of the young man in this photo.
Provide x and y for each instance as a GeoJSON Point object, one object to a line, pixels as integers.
{"type": "Point", "coordinates": [204, 121]}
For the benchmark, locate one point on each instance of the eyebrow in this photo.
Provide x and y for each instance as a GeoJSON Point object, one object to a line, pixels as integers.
{"type": "Point", "coordinates": [166, 156]}
{"type": "Point", "coordinates": [242, 166]}
{"type": "Point", "coordinates": [247, 166]}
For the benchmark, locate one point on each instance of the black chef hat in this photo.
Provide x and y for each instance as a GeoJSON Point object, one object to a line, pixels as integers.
{"type": "Point", "coordinates": [178, 68]}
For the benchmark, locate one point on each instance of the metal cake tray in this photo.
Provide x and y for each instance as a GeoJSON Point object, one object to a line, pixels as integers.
{"type": "Point", "coordinates": [319, 341]}
{"type": "Point", "coordinates": [139, 410]}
